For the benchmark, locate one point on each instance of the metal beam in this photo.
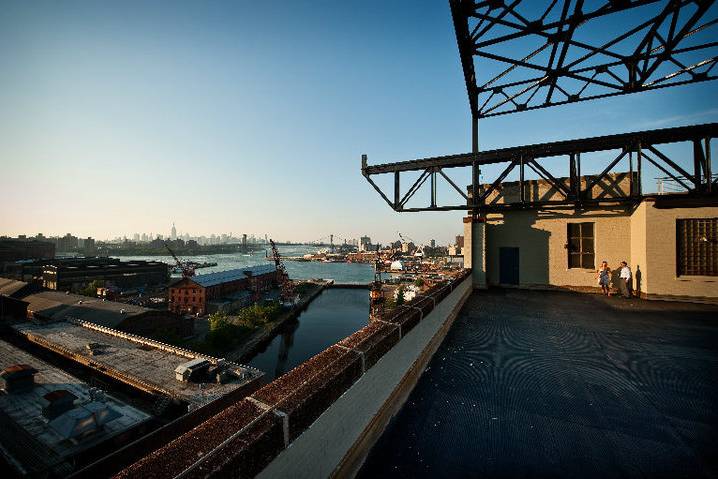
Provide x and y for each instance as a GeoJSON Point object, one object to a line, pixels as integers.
{"type": "Point", "coordinates": [557, 148]}
{"type": "Point", "coordinates": [534, 156]}
{"type": "Point", "coordinates": [630, 60]}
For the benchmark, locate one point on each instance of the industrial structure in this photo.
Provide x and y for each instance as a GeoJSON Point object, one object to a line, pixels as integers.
{"type": "Point", "coordinates": [287, 292]}
{"type": "Point", "coordinates": [52, 306]}
{"type": "Point", "coordinates": [530, 227]}
{"type": "Point", "coordinates": [75, 274]}
{"type": "Point", "coordinates": [207, 293]}
{"type": "Point", "coordinates": [186, 268]}
{"type": "Point", "coordinates": [51, 421]}
{"type": "Point", "coordinates": [569, 384]}
{"type": "Point", "coordinates": [15, 249]}
{"type": "Point", "coordinates": [376, 294]}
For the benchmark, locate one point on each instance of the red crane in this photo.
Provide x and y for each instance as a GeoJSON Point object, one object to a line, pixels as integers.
{"type": "Point", "coordinates": [286, 286]}
{"type": "Point", "coordinates": [186, 267]}
{"type": "Point", "coordinates": [376, 296]}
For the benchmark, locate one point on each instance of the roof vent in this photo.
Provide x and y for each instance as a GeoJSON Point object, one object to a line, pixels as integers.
{"type": "Point", "coordinates": [57, 402]}
{"type": "Point", "coordinates": [191, 369]}
{"type": "Point", "coordinates": [93, 349]}
{"type": "Point", "coordinates": [83, 421]}
{"type": "Point", "coordinates": [18, 378]}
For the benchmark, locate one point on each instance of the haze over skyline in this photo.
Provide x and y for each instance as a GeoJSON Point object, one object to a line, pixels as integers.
{"type": "Point", "coordinates": [251, 116]}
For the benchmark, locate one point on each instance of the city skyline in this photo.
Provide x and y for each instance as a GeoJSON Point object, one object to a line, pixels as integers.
{"type": "Point", "coordinates": [228, 237]}
{"type": "Point", "coordinates": [116, 118]}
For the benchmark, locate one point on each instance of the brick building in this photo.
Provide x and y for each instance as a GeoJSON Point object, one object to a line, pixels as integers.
{"type": "Point", "coordinates": [194, 295]}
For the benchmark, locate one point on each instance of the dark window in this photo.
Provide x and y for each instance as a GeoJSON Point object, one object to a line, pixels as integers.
{"type": "Point", "coordinates": [580, 246]}
{"type": "Point", "coordinates": [697, 245]}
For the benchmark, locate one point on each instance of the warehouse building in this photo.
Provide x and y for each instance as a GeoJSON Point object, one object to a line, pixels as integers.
{"type": "Point", "coordinates": [12, 249]}
{"type": "Point", "coordinates": [146, 365]}
{"type": "Point", "coordinates": [73, 275]}
{"type": "Point", "coordinates": [16, 289]}
{"type": "Point", "coordinates": [51, 422]}
{"type": "Point", "coordinates": [670, 242]}
{"type": "Point", "coordinates": [207, 293]}
{"type": "Point", "coordinates": [53, 306]}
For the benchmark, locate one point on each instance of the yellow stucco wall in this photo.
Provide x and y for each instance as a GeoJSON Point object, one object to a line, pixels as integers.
{"type": "Point", "coordinates": [645, 237]}
{"type": "Point", "coordinates": [661, 254]}
{"type": "Point", "coordinates": [542, 237]}
{"type": "Point", "coordinates": [638, 260]}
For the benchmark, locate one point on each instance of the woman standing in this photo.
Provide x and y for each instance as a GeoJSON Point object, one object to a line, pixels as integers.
{"type": "Point", "coordinates": [604, 276]}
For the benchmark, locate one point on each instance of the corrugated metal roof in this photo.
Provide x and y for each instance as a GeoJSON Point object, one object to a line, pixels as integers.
{"type": "Point", "coordinates": [8, 287]}
{"type": "Point", "coordinates": [212, 279]}
{"type": "Point", "coordinates": [58, 306]}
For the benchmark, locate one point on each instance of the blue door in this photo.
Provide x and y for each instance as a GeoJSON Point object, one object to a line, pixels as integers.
{"type": "Point", "coordinates": [509, 266]}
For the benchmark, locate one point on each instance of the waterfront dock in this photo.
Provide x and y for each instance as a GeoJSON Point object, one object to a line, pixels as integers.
{"type": "Point", "coordinates": [265, 334]}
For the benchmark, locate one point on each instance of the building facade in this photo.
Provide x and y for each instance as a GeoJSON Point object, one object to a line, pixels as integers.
{"type": "Point", "coordinates": [23, 249]}
{"type": "Point", "coordinates": [670, 244]}
{"type": "Point", "coordinates": [193, 295]}
{"type": "Point", "coordinates": [70, 275]}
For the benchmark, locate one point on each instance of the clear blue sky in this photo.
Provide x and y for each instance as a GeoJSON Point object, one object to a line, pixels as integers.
{"type": "Point", "coordinates": [121, 117]}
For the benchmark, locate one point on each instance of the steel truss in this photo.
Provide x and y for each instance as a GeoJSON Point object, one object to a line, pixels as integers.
{"type": "Point", "coordinates": [642, 146]}
{"type": "Point", "coordinates": [564, 53]}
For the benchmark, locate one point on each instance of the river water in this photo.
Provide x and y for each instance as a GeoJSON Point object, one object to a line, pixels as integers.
{"type": "Point", "coordinates": [335, 314]}
{"type": "Point", "coordinates": [339, 272]}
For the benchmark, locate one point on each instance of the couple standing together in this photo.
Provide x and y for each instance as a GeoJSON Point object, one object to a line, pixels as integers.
{"type": "Point", "coordinates": [624, 282]}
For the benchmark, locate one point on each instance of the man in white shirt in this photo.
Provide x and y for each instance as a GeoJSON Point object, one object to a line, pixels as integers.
{"type": "Point", "coordinates": [624, 283]}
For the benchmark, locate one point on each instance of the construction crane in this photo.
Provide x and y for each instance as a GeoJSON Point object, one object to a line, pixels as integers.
{"type": "Point", "coordinates": [186, 267]}
{"type": "Point", "coordinates": [404, 239]}
{"type": "Point", "coordinates": [286, 287]}
{"type": "Point", "coordinates": [376, 296]}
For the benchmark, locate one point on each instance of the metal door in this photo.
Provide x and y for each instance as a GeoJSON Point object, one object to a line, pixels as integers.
{"type": "Point", "coordinates": [509, 266]}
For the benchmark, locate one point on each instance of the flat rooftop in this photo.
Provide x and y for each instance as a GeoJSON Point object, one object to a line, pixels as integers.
{"type": "Point", "coordinates": [554, 384]}
{"type": "Point", "coordinates": [10, 286]}
{"type": "Point", "coordinates": [55, 305]}
{"type": "Point", "coordinates": [24, 410]}
{"type": "Point", "coordinates": [140, 362]}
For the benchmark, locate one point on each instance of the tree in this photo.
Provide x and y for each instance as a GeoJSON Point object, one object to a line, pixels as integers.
{"type": "Point", "coordinates": [91, 288]}
{"type": "Point", "coordinates": [400, 296]}
{"type": "Point", "coordinates": [256, 315]}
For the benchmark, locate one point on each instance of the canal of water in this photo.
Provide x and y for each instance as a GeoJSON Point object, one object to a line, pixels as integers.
{"type": "Point", "coordinates": [335, 314]}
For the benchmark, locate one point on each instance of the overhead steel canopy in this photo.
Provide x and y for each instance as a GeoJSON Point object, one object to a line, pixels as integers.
{"type": "Point", "coordinates": [523, 55]}
{"type": "Point", "coordinates": [637, 149]}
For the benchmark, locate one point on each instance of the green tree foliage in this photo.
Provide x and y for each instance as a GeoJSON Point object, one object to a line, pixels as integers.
{"type": "Point", "coordinates": [91, 289]}
{"type": "Point", "coordinates": [400, 296]}
{"type": "Point", "coordinates": [257, 315]}
{"type": "Point", "coordinates": [225, 331]}
{"type": "Point", "coordinates": [221, 331]}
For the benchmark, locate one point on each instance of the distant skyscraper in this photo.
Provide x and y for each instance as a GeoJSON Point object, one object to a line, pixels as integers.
{"type": "Point", "coordinates": [173, 234]}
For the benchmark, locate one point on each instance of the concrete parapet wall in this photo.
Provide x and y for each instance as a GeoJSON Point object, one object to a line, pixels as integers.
{"type": "Point", "coordinates": [329, 410]}
{"type": "Point", "coordinates": [338, 441]}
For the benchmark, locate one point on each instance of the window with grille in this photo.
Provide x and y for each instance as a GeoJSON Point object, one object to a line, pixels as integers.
{"type": "Point", "coordinates": [697, 245]}
{"type": "Point", "coordinates": [580, 246]}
